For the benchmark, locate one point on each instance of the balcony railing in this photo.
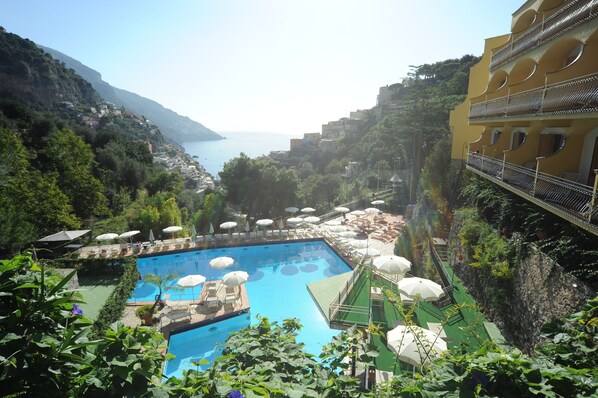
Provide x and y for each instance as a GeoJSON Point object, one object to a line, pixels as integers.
{"type": "Point", "coordinates": [575, 202]}
{"type": "Point", "coordinates": [569, 97]}
{"type": "Point", "coordinates": [570, 16]}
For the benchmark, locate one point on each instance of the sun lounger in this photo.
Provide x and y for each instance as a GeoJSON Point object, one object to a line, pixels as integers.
{"type": "Point", "coordinates": [176, 314]}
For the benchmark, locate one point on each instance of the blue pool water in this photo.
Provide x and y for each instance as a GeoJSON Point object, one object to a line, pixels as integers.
{"type": "Point", "coordinates": [278, 274]}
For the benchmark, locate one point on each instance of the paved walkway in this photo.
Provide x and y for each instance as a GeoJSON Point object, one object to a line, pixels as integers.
{"type": "Point", "coordinates": [185, 313]}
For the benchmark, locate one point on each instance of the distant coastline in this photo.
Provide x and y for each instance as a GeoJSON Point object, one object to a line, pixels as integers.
{"type": "Point", "coordinates": [214, 154]}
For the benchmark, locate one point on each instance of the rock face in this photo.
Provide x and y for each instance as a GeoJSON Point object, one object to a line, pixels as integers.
{"type": "Point", "coordinates": [539, 293]}
{"type": "Point", "coordinates": [29, 75]}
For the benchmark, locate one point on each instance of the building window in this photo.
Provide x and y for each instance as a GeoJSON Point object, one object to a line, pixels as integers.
{"type": "Point", "coordinates": [573, 55]}
{"type": "Point", "coordinates": [550, 144]}
{"type": "Point", "coordinates": [518, 139]}
{"type": "Point", "coordinates": [495, 136]}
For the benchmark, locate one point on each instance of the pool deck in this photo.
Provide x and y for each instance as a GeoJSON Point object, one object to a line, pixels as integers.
{"type": "Point", "coordinates": [179, 315]}
{"type": "Point", "coordinates": [324, 291]}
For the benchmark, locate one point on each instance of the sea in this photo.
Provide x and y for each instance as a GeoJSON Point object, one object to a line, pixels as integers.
{"type": "Point", "coordinates": [214, 154]}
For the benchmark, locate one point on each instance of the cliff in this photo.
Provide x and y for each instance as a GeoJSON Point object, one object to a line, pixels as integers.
{"type": "Point", "coordinates": [539, 292]}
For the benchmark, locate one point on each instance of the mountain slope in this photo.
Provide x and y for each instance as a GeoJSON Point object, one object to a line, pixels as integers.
{"type": "Point", "coordinates": [30, 76]}
{"type": "Point", "coordinates": [172, 125]}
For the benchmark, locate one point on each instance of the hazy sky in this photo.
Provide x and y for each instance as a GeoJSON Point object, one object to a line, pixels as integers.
{"type": "Point", "coordinates": [259, 65]}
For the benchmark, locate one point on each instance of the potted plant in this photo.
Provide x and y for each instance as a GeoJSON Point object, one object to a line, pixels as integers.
{"type": "Point", "coordinates": [146, 314]}
{"type": "Point", "coordinates": [162, 282]}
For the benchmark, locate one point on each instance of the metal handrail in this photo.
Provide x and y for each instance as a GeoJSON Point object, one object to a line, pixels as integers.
{"type": "Point", "coordinates": [343, 293]}
{"type": "Point", "coordinates": [568, 199]}
{"type": "Point", "coordinates": [568, 17]}
{"type": "Point", "coordinates": [577, 95]}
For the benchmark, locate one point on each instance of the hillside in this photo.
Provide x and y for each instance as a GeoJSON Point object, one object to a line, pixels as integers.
{"type": "Point", "coordinates": [173, 126]}
{"type": "Point", "coordinates": [30, 76]}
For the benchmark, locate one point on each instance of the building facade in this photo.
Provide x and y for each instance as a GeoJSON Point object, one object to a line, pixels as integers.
{"type": "Point", "coordinates": [530, 120]}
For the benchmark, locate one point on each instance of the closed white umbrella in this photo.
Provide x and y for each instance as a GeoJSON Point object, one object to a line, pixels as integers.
{"type": "Point", "coordinates": [424, 289]}
{"type": "Point", "coordinates": [151, 237]}
{"type": "Point", "coordinates": [191, 281]}
{"type": "Point", "coordinates": [392, 264]}
{"type": "Point", "coordinates": [108, 236]}
{"type": "Point", "coordinates": [342, 209]}
{"type": "Point", "coordinates": [221, 262]}
{"type": "Point", "coordinates": [308, 210]}
{"type": "Point", "coordinates": [414, 345]}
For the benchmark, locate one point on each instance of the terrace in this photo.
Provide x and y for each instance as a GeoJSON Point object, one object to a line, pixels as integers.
{"type": "Point", "coordinates": [569, 200]}
{"type": "Point", "coordinates": [569, 17]}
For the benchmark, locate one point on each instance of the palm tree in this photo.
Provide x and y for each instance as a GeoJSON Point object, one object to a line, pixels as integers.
{"type": "Point", "coordinates": [162, 282]}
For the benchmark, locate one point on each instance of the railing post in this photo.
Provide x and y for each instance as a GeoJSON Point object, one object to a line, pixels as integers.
{"type": "Point", "coordinates": [504, 160]}
{"type": "Point", "coordinates": [593, 202]}
{"type": "Point", "coordinates": [482, 162]}
{"type": "Point", "coordinates": [536, 176]}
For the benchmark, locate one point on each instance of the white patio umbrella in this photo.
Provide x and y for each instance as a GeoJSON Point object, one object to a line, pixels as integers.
{"type": "Point", "coordinates": [235, 278]}
{"type": "Point", "coordinates": [333, 223]}
{"type": "Point", "coordinates": [191, 281]}
{"type": "Point", "coordinates": [108, 236]}
{"type": "Point", "coordinates": [294, 220]}
{"type": "Point", "coordinates": [173, 229]}
{"type": "Point", "coordinates": [337, 229]}
{"type": "Point", "coordinates": [424, 289]}
{"type": "Point", "coordinates": [312, 219]}
{"type": "Point", "coordinates": [358, 213]}
{"type": "Point", "coordinates": [291, 210]}
{"type": "Point", "coordinates": [415, 345]}
{"type": "Point", "coordinates": [308, 210]}
{"type": "Point", "coordinates": [371, 210]}
{"type": "Point", "coordinates": [342, 209]}
{"type": "Point", "coordinates": [129, 235]}
{"type": "Point", "coordinates": [358, 243]}
{"type": "Point", "coordinates": [378, 202]}
{"type": "Point", "coordinates": [229, 225]}
{"type": "Point", "coordinates": [221, 262]}
{"type": "Point", "coordinates": [348, 234]}
{"type": "Point", "coordinates": [264, 222]}
{"type": "Point", "coordinates": [392, 264]}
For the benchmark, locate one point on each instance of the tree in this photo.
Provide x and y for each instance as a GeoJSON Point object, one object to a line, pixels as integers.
{"type": "Point", "coordinates": [170, 213]}
{"type": "Point", "coordinates": [72, 159]}
{"type": "Point", "coordinates": [259, 186]}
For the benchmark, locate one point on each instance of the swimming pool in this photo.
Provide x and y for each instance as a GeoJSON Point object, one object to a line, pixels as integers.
{"type": "Point", "coordinates": [278, 274]}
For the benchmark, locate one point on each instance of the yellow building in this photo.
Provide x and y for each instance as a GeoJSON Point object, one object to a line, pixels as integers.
{"type": "Point", "coordinates": [530, 120]}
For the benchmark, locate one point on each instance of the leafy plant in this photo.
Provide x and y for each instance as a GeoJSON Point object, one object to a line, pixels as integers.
{"type": "Point", "coordinates": [162, 282]}
{"type": "Point", "coordinates": [144, 311]}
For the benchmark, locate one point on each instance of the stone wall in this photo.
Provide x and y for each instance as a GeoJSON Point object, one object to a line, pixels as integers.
{"type": "Point", "coordinates": [539, 292]}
